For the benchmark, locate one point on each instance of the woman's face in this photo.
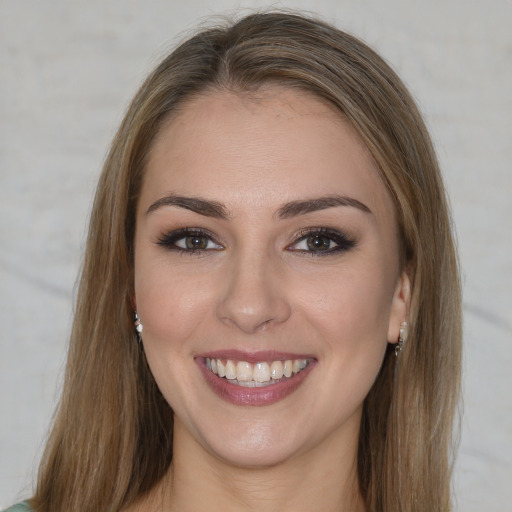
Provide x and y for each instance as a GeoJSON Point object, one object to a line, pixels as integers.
{"type": "Point", "coordinates": [266, 274]}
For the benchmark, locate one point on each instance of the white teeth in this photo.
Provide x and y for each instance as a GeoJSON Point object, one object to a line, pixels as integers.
{"type": "Point", "coordinates": [243, 371]}
{"type": "Point", "coordinates": [261, 372]}
{"type": "Point", "coordinates": [254, 375]}
{"type": "Point", "coordinates": [230, 370]}
{"type": "Point", "coordinates": [276, 370]}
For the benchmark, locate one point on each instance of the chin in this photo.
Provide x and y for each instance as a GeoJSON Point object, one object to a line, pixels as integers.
{"type": "Point", "coordinates": [255, 452]}
{"type": "Point", "coordinates": [251, 443]}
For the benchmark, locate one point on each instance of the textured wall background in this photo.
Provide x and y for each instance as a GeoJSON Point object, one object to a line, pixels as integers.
{"type": "Point", "coordinates": [67, 71]}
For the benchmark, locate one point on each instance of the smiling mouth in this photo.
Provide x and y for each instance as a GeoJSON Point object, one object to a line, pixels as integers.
{"type": "Point", "coordinates": [261, 374]}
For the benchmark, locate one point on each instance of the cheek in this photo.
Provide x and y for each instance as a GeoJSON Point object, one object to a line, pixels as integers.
{"type": "Point", "coordinates": [352, 306]}
{"type": "Point", "coordinates": [350, 319]}
{"type": "Point", "coordinates": [173, 310]}
{"type": "Point", "coordinates": [171, 306]}
{"type": "Point", "coordinates": [351, 323]}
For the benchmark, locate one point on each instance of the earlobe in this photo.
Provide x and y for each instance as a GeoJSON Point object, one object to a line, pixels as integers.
{"type": "Point", "coordinates": [400, 306]}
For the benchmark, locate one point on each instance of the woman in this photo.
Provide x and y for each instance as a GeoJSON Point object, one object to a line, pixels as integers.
{"type": "Point", "coordinates": [269, 309]}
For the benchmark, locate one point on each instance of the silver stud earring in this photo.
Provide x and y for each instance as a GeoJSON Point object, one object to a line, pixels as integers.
{"type": "Point", "coordinates": [402, 338]}
{"type": "Point", "coordinates": [138, 326]}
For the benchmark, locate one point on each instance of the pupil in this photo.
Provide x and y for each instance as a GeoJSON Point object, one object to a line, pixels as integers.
{"type": "Point", "coordinates": [319, 243]}
{"type": "Point", "coordinates": [196, 242]}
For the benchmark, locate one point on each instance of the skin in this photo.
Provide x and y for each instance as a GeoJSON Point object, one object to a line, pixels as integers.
{"type": "Point", "coordinates": [258, 286]}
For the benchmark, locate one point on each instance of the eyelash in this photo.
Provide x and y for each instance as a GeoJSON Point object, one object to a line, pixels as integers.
{"type": "Point", "coordinates": [169, 240]}
{"type": "Point", "coordinates": [342, 241]}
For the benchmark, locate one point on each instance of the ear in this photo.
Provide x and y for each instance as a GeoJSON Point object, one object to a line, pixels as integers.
{"type": "Point", "coordinates": [400, 306]}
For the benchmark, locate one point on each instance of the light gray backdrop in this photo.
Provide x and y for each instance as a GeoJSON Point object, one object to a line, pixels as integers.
{"type": "Point", "coordinates": [67, 71]}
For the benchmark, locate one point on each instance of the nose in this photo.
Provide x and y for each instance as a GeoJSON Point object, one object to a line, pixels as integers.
{"type": "Point", "coordinates": [254, 296]}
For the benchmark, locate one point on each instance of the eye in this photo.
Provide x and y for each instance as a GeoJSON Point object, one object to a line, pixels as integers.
{"type": "Point", "coordinates": [189, 240]}
{"type": "Point", "coordinates": [322, 241]}
{"type": "Point", "coordinates": [196, 242]}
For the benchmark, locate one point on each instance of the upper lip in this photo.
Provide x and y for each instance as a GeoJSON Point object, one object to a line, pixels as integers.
{"type": "Point", "coordinates": [254, 357]}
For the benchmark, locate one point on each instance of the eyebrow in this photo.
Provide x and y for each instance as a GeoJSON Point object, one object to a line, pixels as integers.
{"type": "Point", "coordinates": [195, 204]}
{"type": "Point", "coordinates": [302, 207]}
{"type": "Point", "coordinates": [217, 210]}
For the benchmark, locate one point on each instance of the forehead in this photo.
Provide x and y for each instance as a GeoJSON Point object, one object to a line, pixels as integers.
{"type": "Point", "coordinates": [261, 149]}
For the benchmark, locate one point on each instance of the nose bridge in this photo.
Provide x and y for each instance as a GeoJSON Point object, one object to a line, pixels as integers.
{"type": "Point", "coordinates": [253, 299]}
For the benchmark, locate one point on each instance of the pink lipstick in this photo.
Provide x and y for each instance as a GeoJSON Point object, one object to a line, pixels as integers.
{"type": "Point", "coordinates": [255, 379]}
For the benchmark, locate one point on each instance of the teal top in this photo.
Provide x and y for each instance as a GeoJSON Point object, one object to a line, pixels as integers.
{"type": "Point", "coordinates": [20, 507]}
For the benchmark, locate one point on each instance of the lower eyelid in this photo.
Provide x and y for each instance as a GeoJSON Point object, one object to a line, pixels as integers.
{"type": "Point", "coordinates": [339, 248]}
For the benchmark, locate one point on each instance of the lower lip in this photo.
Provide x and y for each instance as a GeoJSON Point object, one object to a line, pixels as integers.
{"type": "Point", "coordinates": [266, 395]}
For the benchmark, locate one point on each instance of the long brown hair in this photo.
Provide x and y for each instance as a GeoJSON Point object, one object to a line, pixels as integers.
{"type": "Point", "coordinates": [112, 436]}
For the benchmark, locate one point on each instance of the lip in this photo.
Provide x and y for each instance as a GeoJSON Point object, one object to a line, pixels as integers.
{"type": "Point", "coordinates": [258, 396]}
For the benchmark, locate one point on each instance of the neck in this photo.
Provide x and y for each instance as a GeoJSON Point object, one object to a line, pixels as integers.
{"type": "Point", "coordinates": [322, 479]}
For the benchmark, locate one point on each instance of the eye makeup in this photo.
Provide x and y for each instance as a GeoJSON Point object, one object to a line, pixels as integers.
{"type": "Point", "coordinates": [321, 241]}
{"type": "Point", "coordinates": [314, 241]}
{"type": "Point", "coordinates": [189, 240]}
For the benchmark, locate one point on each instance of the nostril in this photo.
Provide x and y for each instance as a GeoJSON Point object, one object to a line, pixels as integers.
{"type": "Point", "coordinates": [253, 299]}
{"type": "Point", "coordinates": [247, 324]}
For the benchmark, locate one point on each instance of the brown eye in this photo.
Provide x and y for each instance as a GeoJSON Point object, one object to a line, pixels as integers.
{"type": "Point", "coordinates": [196, 242]}
{"type": "Point", "coordinates": [320, 243]}
{"type": "Point", "coordinates": [189, 240]}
